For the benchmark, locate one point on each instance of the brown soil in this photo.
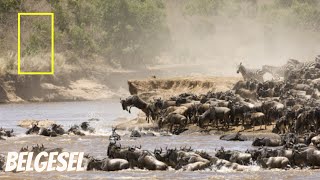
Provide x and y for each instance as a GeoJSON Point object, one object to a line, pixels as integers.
{"type": "Point", "coordinates": [167, 87]}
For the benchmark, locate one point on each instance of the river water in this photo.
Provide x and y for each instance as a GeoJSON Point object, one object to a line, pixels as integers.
{"type": "Point", "coordinates": [109, 112]}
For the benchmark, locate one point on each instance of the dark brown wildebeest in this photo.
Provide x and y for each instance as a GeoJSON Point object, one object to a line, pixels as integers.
{"type": "Point", "coordinates": [215, 114]}
{"type": "Point", "coordinates": [136, 101]}
{"type": "Point", "coordinates": [172, 119]}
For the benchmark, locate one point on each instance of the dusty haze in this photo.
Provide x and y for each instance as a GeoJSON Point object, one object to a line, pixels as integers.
{"type": "Point", "coordinates": [221, 43]}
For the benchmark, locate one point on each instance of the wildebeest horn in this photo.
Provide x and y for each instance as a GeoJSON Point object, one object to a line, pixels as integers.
{"type": "Point", "coordinates": [160, 150]}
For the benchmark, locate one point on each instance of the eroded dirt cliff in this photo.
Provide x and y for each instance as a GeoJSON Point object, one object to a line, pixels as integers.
{"type": "Point", "coordinates": [153, 87]}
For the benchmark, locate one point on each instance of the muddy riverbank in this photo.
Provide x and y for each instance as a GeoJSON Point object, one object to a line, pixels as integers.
{"type": "Point", "coordinates": [166, 87]}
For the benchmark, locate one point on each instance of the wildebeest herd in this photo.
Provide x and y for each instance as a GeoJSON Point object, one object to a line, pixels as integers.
{"type": "Point", "coordinates": [288, 106]}
{"type": "Point", "coordinates": [291, 104]}
{"type": "Point", "coordinates": [56, 130]}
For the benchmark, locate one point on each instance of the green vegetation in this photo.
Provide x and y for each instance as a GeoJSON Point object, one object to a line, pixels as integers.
{"type": "Point", "coordinates": [128, 32]}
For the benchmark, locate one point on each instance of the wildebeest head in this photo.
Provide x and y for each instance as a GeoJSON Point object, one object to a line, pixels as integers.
{"type": "Point", "coordinates": [161, 120]}
{"type": "Point", "coordinates": [54, 126]}
{"type": "Point", "coordinates": [172, 156]}
{"type": "Point", "coordinates": [34, 129]}
{"type": "Point", "coordinates": [7, 133]}
{"type": "Point", "coordinates": [37, 149]}
{"type": "Point", "coordinates": [240, 67]}
{"type": "Point", "coordinates": [280, 125]}
{"type": "Point", "coordinates": [255, 154]}
{"type": "Point", "coordinates": [158, 103]}
{"type": "Point", "coordinates": [186, 149]}
{"type": "Point", "coordinates": [124, 104]}
{"type": "Point", "coordinates": [57, 128]}
{"type": "Point", "coordinates": [276, 129]}
{"type": "Point", "coordinates": [24, 149]}
{"type": "Point", "coordinates": [157, 151]}
{"type": "Point", "coordinates": [94, 164]}
{"type": "Point", "coordinates": [84, 126]}
{"type": "Point", "coordinates": [258, 142]}
{"type": "Point", "coordinates": [262, 162]}
{"type": "Point", "coordinates": [222, 154]}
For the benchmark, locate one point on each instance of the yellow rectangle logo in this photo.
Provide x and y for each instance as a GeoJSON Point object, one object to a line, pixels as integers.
{"type": "Point", "coordinates": [52, 43]}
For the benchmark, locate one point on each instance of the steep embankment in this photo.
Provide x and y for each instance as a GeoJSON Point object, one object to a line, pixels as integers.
{"type": "Point", "coordinates": [166, 87]}
{"type": "Point", "coordinates": [16, 88]}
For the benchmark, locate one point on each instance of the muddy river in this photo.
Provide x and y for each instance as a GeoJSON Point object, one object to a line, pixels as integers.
{"type": "Point", "coordinates": [109, 113]}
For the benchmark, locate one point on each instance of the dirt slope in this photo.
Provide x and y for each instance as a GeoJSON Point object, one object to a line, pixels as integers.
{"type": "Point", "coordinates": [166, 87]}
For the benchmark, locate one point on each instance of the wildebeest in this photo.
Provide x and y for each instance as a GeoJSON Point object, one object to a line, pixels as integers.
{"type": "Point", "coordinates": [215, 114]}
{"type": "Point", "coordinates": [6, 133]}
{"type": "Point", "coordinates": [107, 164]}
{"type": "Point", "coordinates": [2, 162]}
{"type": "Point", "coordinates": [234, 137]}
{"type": "Point", "coordinates": [234, 156]}
{"type": "Point", "coordinates": [136, 101]}
{"type": "Point", "coordinates": [57, 129]}
{"type": "Point", "coordinates": [266, 142]}
{"type": "Point", "coordinates": [281, 125]}
{"type": "Point", "coordinates": [33, 130]}
{"type": "Point", "coordinates": [173, 119]}
{"type": "Point", "coordinates": [274, 162]}
{"type": "Point", "coordinates": [150, 162]}
{"type": "Point", "coordinates": [316, 141]}
{"type": "Point", "coordinates": [85, 126]}
{"type": "Point", "coordinates": [256, 118]}
{"type": "Point", "coordinates": [245, 93]}
{"type": "Point", "coordinates": [53, 131]}
{"type": "Point", "coordinates": [114, 136]}
{"type": "Point", "coordinates": [75, 129]}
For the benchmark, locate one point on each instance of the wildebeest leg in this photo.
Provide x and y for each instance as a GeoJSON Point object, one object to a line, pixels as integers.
{"type": "Point", "coordinates": [217, 123]}
{"type": "Point", "coordinates": [199, 123]}
{"type": "Point", "coordinates": [226, 121]}
{"type": "Point", "coordinates": [171, 126]}
{"type": "Point", "coordinates": [260, 121]}
{"type": "Point", "coordinates": [265, 124]}
{"type": "Point", "coordinates": [129, 110]}
{"type": "Point", "coordinates": [253, 124]}
{"type": "Point", "coordinates": [282, 128]}
{"type": "Point", "coordinates": [243, 121]}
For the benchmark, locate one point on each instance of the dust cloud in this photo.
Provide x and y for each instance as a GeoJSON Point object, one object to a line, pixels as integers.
{"type": "Point", "coordinates": [220, 43]}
